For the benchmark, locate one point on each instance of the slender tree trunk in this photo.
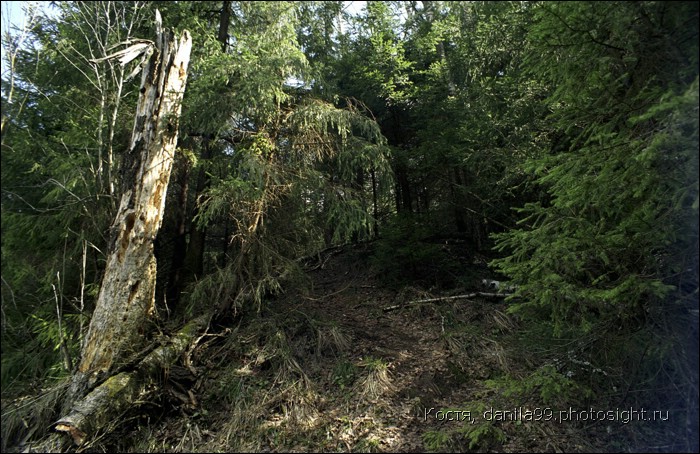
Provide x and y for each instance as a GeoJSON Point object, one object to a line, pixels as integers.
{"type": "Point", "coordinates": [358, 186]}
{"type": "Point", "coordinates": [460, 223]}
{"type": "Point", "coordinates": [100, 142]}
{"type": "Point", "coordinates": [180, 241]}
{"type": "Point", "coordinates": [118, 326]}
{"type": "Point", "coordinates": [224, 21]}
{"type": "Point", "coordinates": [194, 260]}
{"type": "Point", "coordinates": [405, 188]}
{"type": "Point", "coordinates": [375, 210]}
{"type": "Point", "coordinates": [119, 81]}
{"type": "Point", "coordinates": [224, 245]}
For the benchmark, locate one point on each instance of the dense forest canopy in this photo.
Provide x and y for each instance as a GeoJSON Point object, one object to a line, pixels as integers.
{"type": "Point", "coordinates": [553, 145]}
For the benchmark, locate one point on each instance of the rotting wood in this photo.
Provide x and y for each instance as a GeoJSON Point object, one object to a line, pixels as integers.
{"type": "Point", "coordinates": [447, 298]}
{"type": "Point", "coordinates": [125, 304]}
{"type": "Point", "coordinates": [119, 393]}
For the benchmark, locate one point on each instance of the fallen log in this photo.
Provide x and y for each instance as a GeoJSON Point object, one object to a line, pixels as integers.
{"type": "Point", "coordinates": [111, 400]}
{"type": "Point", "coordinates": [447, 298]}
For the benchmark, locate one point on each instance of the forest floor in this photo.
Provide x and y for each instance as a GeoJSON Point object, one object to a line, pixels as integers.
{"type": "Point", "coordinates": [328, 369]}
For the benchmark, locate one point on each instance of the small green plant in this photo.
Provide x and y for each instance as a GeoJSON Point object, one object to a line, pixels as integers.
{"type": "Point", "coordinates": [367, 445]}
{"type": "Point", "coordinates": [483, 435]}
{"type": "Point", "coordinates": [552, 386]}
{"type": "Point", "coordinates": [437, 440]}
{"type": "Point", "coordinates": [344, 374]}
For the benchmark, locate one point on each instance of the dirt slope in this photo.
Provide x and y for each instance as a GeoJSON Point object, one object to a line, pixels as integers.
{"type": "Point", "coordinates": [326, 368]}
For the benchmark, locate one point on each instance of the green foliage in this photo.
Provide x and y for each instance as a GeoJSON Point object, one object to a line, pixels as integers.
{"type": "Point", "coordinates": [50, 338]}
{"type": "Point", "coordinates": [611, 245]}
{"type": "Point", "coordinates": [484, 434]}
{"type": "Point", "coordinates": [552, 386]}
{"type": "Point", "coordinates": [598, 248]}
{"type": "Point", "coordinates": [377, 69]}
{"type": "Point", "coordinates": [293, 185]}
{"type": "Point", "coordinates": [307, 128]}
{"type": "Point", "coordinates": [63, 136]}
{"type": "Point", "coordinates": [344, 374]}
{"type": "Point", "coordinates": [479, 434]}
{"type": "Point", "coordinates": [437, 440]}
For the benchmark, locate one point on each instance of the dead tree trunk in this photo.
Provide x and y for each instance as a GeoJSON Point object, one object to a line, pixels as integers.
{"type": "Point", "coordinates": [125, 304]}
{"type": "Point", "coordinates": [122, 390]}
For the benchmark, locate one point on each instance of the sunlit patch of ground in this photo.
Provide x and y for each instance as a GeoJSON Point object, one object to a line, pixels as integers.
{"type": "Point", "coordinates": [326, 369]}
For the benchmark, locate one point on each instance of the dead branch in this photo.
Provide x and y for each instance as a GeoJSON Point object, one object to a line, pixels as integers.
{"type": "Point", "coordinates": [121, 392]}
{"type": "Point", "coordinates": [447, 298]}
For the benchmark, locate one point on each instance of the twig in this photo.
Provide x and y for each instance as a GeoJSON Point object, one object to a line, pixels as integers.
{"type": "Point", "coordinates": [447, 298]}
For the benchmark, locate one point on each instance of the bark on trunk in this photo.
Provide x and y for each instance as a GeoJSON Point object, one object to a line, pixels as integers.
{"type": "Point", "coordinates": [119, 324]}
